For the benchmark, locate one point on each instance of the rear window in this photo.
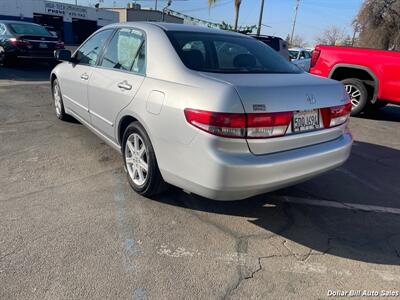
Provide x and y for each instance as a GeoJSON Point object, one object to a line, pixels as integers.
{"type": "Point", "coordinates": [29, 29]}
{"type": "Point", "coordinates": [223, 53]}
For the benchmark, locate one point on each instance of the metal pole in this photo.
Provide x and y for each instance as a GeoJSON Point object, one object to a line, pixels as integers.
{"type": "Point", "coordinates": [294, 20]}
{"type": "Point", "coordinates": [260, 19]}
{"type": "Point", "coordinates": [155, 6]}
{"type": "Point", "coordinates": [165, 8]}
{"type": "Point", "coordinates": [76, 2]}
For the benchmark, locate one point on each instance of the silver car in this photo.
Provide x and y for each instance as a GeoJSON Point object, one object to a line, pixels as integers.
{"type": "Point", "coordinates": [216, 113]}
{"type": "Point", "coordinates": [300, 57]}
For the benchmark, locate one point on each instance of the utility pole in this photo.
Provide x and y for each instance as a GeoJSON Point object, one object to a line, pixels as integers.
{"type": "Point", "coordinates": [260, 19]}
{"type": "Point", "coordinates": [155, 6]}
{"type": "Point", "coordinates": [164, 9]}
{"type": "Point", "coordinates": [294, 20]}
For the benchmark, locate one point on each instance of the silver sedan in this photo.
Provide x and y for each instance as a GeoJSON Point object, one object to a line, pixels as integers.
{"type": "Point", "coordinates": [216, 113]}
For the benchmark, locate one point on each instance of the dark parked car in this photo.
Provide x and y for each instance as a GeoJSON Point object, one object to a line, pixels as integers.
{"type": "Point", "coordinates": [26, 40]}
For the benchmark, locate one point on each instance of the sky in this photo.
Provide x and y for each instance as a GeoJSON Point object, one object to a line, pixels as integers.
{"type": "Point", "coordinates": [313, 15]}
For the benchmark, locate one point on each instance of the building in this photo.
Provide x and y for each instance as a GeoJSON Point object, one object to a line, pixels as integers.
{"type": "Point", "coordinates": [134, 12]}
{"type": "Point", "coordinates": [72, 23]}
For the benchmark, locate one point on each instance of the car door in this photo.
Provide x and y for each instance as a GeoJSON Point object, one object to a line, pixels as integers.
{"type": "Point", "coordinates": [307, 61]}
{"type": "Point", "coordinates": [301, 61]}
{"type": "Point", "coordinates": [76, 74]}
{"type": "Point", "coordinates": [116, 80]}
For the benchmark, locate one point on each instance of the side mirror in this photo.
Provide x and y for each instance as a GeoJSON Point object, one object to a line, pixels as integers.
{"type": "Point", "coordinates": [62, 55]}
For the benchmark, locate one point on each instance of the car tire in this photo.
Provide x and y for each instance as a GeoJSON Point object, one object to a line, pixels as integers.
{"type": "Point", "coordinates": [140, 162]}
{"type": "Point", "coordinates": [58, 101]}
{"type": "Point", "coordinates": [358, 94]}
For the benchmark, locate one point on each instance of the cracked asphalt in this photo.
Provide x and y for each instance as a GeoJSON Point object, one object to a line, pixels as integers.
{"type": "Point", "coordinates": [71, 227]}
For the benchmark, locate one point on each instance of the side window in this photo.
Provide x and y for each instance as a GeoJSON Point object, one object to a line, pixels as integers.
{"type": "Point", "coordinates": [126, 51]}
{"type": "Point", "coordinates": [2, 29]}
{"type": "Point", "coordinates": [89, 52]}
{"type": "Point", "coordinates": [307, 54]}
{"type": "Point", "coordinates": [139, 65]}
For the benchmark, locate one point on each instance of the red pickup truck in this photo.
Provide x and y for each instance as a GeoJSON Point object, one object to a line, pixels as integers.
{"type": "Point", "coordinates": [371, 77]}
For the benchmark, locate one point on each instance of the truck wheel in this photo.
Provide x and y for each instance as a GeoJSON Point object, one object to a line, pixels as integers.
{"type": "Point", "coordinates": [358, 94]}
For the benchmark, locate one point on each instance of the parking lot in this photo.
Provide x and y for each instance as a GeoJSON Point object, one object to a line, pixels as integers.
{"type": "Point", "coordinates": [72, 228]}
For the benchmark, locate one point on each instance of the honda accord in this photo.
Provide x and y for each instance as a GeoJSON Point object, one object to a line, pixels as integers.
{"type": "Point", "coordinates": [216, 113]}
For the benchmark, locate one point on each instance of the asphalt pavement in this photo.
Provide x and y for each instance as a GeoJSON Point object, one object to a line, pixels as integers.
{"type": "Point", "coordinates": [71, 227]}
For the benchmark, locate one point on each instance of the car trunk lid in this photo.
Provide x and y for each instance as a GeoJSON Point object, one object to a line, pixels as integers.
{"type": "Point", "coordinates": [296, 93]}
{"type": "Point", "coordinates": [40, 43]}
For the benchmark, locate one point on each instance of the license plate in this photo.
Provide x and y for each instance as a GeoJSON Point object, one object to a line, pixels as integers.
{"type": "Point", "coordinates": [306, 120]}
{"type": "Point", "coordinates": [42, 45]}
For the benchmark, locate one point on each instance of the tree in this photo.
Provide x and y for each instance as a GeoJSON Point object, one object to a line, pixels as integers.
{"type": "Point", "coordinates": [378, 24]}
{"type": "Point", "coordinates": [241, 29]}
{"type": "Point", "coordinates": [287, 39]}
{"type": "Point", "coordinates": [331, 36]}
{"type": "Point", "coordinates": [237, 4]}
{"type": "Point", "coordinates": [297, 41]}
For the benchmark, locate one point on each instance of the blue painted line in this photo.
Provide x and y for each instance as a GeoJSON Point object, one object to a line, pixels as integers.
{"type": "Point", "coordinates": [130, 247]}
{"type": "Point", "coordinates": [139, 294]}
{"type": "Point", "coordinates": [124, 228]}
{"type": "Point", "coordinates": [125, 232]}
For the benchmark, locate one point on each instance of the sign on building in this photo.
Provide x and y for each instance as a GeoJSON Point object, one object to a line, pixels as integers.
{"type": "Point", "coordinates": [66, 10]}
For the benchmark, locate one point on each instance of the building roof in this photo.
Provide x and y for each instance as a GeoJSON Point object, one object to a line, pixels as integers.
{"type": "Point", "coordinates": [177, 27]}
{"type": "Point", "coordinates": [17, 22]}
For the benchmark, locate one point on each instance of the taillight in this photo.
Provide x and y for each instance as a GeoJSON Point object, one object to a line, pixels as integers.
{"type": "Point", "coordinates": [17, 42]}
{"type": "Point", "coordinates": [266, 125]}
{"type": "Point", "coordinates": [314, 57]}
{"type": "Point", "coordinates": [221, 124]}
{"type": "Point", "coordinates": [337, 115]}
{"type": "Point", "coordinates": [233, 125]}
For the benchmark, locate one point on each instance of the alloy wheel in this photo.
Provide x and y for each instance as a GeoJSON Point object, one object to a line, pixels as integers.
{"type": "Point", "coordinates": [136, 159]}
{"type": "Point", "coordinates": [57, 100]}
{"type": "Point", "coordinates": [354, 94]}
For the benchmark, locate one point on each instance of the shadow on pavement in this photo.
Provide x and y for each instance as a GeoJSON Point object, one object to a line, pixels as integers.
{"type": "Point", "coordinates": [389, 113]}
{"type": "Point", "coordinates": [27, 71]}
{"type": "Point", "coordinates": [349, 233]}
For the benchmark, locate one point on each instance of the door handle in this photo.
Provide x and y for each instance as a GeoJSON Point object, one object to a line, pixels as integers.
{"type": "Point", "coordinates": [125, 85]}
{"type": "Point", "coordinates": [84, 76]}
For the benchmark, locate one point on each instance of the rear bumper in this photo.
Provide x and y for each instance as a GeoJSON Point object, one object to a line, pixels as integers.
{"type": "Point", "coordinates": [32, 54]}
{"type": "Point", "coordinates": [238, 176]}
